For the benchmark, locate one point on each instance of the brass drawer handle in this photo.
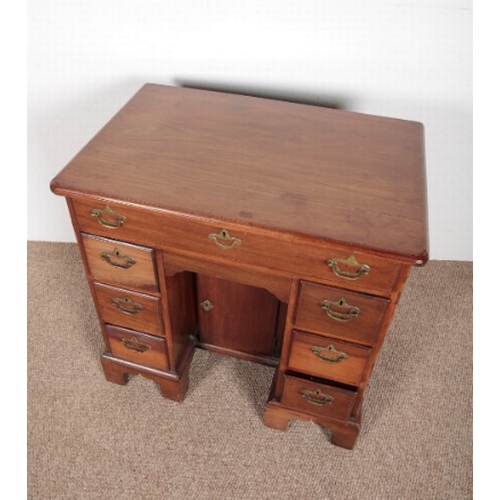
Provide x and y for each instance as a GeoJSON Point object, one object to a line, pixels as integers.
{"type": "Point", "coordinates": [135, 345]}
{"type": "Point", "coordinates": [123, 262]}
{"type": "Point", "coordinates": [346, 313]}
{"type": "Point", "coordinates": [224, 240]}
{"type": "Point", "coordinates": [316, 397]}
{"type": "Point", "coordinates": [108, 218]}
{"type": "Point", "coordinates": [329, 354]}
{"type": "Point", "coordinates": [361, 269]}
{"type": "Point", "coordinates": [126, 306]}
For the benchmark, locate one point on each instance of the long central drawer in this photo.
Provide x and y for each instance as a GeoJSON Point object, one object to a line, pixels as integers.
{"type": "Point", "coordinates": [340, 266]}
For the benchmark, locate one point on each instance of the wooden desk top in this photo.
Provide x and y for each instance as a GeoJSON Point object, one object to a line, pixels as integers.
{"type": "Point", "coordinates": [313, 171]}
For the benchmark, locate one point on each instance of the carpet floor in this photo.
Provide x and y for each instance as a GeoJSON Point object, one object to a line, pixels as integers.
{"type": "Point", "coordinates": [91, 439]}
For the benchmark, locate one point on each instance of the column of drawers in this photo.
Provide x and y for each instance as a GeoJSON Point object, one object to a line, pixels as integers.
{"type": "Point", "coordinates": [126, 291]}
{"type": "Point", "coordinates": [334, 336]}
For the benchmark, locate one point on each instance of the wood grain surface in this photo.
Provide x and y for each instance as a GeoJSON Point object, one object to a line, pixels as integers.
{"type": "Point", "coordinates": [335, 175]}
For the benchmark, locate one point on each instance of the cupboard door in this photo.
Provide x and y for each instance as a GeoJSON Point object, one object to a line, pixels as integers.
{"type": "Point", "coordinates": [237, 317]}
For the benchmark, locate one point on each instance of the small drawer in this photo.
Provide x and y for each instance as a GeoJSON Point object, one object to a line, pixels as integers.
{"type": "Point", "coordinates": [121, 263]}
{"type": "Point", "coordinates": [129, 309]}
{"type": "Point", "coordinates": [328, 358]}
{"type": "Point", "coordinates": [111, 220]}
{"type": "Point", "coordinates": [137, 347]}
{"type": "Point", "coordinates": [339, 313]}
{"type": "Point", "coordinates": [317, 399]}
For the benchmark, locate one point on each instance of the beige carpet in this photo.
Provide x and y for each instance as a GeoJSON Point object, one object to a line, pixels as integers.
{"type": "Point", "coordinates": [90, 439]}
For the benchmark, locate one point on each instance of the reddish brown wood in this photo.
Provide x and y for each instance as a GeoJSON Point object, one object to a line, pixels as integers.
{"type": "Point", "coordinates": [362, 328]}
{"type": "Point", "coordinates": [269, 279]}
{"type": "Point", "coordinates": [114, 371]}
{"type": "Point", "coordinates": [344, 433]}
{"type": "Point", "coordinates": [180, 313]}
{"type": "Point", "coordinates": [259, 247]}
{"type": "Point", "coordinates": [348, 177]}
{"type": "Point", "coordinates": [240, 318]}
{"type": "Point", "coordinates": [81, 247]}
{"type": "Point", "coordinates": [172, 386]}
{"type": "Point", "coordinates": [384, 327]}
{"type": "Point", "coordinates": [267, 209]}
{"type": "Point", "coordinates": [328, 358]}
{"type": "Point", "coordinates": [116, 262]}
{"type": "Point", "coordinates": [278, 380]}
{"type": "Point", "coordinates": [133, 310]}
{"type": "Point", "coordinates": [317, 398]}
{"type": "Point", "coordinates": [277, 417]}
{"type": "Point", "coordinates": [137, 347]}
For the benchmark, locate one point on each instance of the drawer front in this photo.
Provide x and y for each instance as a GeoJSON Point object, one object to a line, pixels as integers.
{"type": "Point", "coordinates": [327, 358]}
{"type": "Point", "coordinates": [129, 309]}
{"type": "Point", "coordinates": [345, 267]}
{"type": "Point", "coordinates": [121, 263]}
{"type": "Point", "coordinates": [339, 313]}
{"type": "Point", "coordinates": [317, 399]}
{"type": "Point", "coordinates": [137, 347]}
{"type": "Point", "coordinates": [298, 257]}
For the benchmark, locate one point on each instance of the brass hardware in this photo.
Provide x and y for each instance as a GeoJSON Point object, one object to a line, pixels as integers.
{"type": "Point", "coordinates": [316, 397]}
{"type": "Point", "coordinates": [206, 305]}
{"type": "Point", "coordinates": [117, 220]}
{"type": "Point", "coordinates": [351, 312]}
{"type": "Point", "coordinates": [135, 345]}
{"type": "Point", "coordinates": [126, 306]}
{"type": "Point", "coordinates": [224, 240]}
{"type": "Point", "coordinates": [329, 354]}
{"type": "Point", "coordinates": [115, 254]}
{"type": "Point", "coordinates": [362, 269]}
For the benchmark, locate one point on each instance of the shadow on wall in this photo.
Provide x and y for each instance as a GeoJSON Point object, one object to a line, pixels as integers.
{"type": "Point", "coordinates": [282, 94]}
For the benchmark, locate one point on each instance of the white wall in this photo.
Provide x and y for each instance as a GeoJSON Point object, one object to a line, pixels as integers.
{"type": "Point", "coordinates": [408, 59]}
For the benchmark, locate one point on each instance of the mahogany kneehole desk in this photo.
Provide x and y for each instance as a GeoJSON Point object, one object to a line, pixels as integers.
{"type": "Point", "coordinates": [275, 232]}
